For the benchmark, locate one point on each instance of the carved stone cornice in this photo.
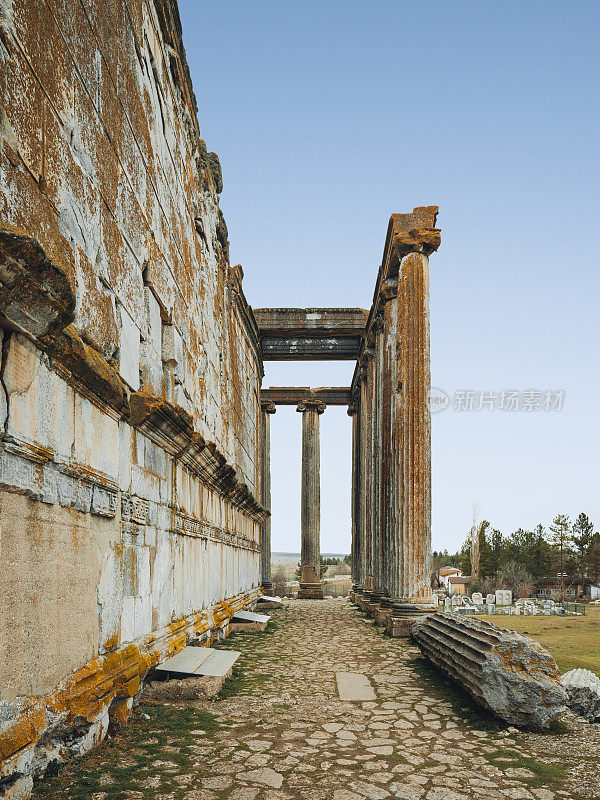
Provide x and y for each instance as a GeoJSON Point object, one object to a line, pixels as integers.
{"type": "Point", "coordinates": [171, 427]}
{"type": "Point", "coordinates": [267, 407]}
{"type": "Point", "coordinates": [311, 405]}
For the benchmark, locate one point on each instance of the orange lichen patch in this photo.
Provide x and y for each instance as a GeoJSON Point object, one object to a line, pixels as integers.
{"type": "Point", "coordinates": [108, 681]}
{"type": "Point", "coordinates": [88, 366]}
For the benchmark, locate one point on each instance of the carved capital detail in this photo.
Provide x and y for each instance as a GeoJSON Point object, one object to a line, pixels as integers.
{"type": "Point", "coordinates": [267, 407]}
{"type": "Point", "coordinates": [352, 409]}
{"type": "Point", "coordinates": [417, 240]}
{"type": "Point", "coordinates": [311, 405]}
{"type": "Point", "coordinates": [388, 290]}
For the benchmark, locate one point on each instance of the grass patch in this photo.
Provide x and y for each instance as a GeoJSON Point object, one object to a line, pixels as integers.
{"type": "Point", "coordinates": [547, 776]}
{"type": "Point", "coordinates": [574, 642]}
{"type": "Point", "coordinates": [462, 703]}
{"type": "Point", "coordinates": [118, 765]}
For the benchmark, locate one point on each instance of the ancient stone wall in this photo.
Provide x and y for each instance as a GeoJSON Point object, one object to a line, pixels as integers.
{"type": "Point", "coordinates": [130, 373]}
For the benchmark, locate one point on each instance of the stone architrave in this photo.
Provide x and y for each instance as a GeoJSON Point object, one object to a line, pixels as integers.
{"type": "Point", "coordinates": [267, 408]}
{"type": "Point", "coordinates": [310, 583]}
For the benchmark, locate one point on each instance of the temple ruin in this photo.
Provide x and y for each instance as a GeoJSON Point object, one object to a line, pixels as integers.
{"type": "Point", "coordinates": [134, 463]}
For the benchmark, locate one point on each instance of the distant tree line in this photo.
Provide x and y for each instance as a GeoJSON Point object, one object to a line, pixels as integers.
{"type": "Point", "coordinates": [566, 551]}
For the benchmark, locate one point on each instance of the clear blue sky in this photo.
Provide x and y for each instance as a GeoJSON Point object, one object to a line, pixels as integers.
{"type": "Point", "coordinates": [328, 117]}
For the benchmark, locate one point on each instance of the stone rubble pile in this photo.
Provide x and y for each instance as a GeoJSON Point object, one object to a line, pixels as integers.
{"type": "Point", "coordinates": [509, 674]}
{"type": "Point", "coordinates": [583, 689]}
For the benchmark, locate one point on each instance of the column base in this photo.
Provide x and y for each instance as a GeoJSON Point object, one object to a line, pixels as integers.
{"type": "Point", "coordinates": [364, 599]}
{"type": "Point", "coordinates": [384, 611]}
{"type": "Point", "coordinates": [267, 587]}
{"type": "Point", "coordinates": [404, 615]}
{"type": "Point", "coordinates": [373, 604]}
{"type": "Point", "coordinates": [310, 591]}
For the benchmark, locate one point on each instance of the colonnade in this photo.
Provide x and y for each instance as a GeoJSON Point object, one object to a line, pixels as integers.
{"type": "Point", "coordinates": [391, 436]}
{"type": "Point", "coordinates": [391, 461]}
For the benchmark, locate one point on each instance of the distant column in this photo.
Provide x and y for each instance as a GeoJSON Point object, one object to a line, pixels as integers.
{"type": "Point", "coordinates": [356, 547]}
{"type": "Point", "coordinates": [267, 408]}
{"type": "Point", "coordinates": [310, 583]}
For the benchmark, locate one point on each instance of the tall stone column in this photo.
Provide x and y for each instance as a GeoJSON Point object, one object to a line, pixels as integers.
{"type": "Point", "coordinates": [355, 549]}
{"type": "Point", "coordinates": [387, 297]}
{"type": "Point", "coordinates": [310, 583]}
{"type": "Point", "coordinates": [413, 429]}
{"type": "Point", "coordinates": [267, 408]}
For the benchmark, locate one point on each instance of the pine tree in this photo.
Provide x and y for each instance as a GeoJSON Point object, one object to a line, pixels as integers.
{"type": "Point", "coordinates": [560, 537]}
{"type": "Point", "coordinates": [583, 532]}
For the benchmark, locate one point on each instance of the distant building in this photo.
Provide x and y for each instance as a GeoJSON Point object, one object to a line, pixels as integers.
{"type": "Point", "coordinates": [573, 588]}
{"type": "Point", "coordinates": [459, 584]}
{"type": "Point", "coordinates": [448, 572]}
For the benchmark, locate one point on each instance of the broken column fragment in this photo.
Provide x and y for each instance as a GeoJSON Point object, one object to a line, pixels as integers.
{"type": "Point", "coordinates": [509, 674]}
{"type": "Point", "coordinates": [583, 689]}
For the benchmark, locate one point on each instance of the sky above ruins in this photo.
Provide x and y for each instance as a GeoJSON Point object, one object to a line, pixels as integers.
{"type": "Point", "coordinates": [327, 117]}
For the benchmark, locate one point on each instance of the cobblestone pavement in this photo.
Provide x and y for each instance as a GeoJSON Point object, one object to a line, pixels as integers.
{"type": "Point", "coordinates": [281, 732]}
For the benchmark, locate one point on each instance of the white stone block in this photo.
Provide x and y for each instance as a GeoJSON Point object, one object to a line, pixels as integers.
{"type": "Point", "coordinates": [96, 438]}
{"type": "Point", "coordinates": [477, 598]}
{"type": "Point", "coordinates": [151, 368]}
{"type": "Point", "coordinates": [129, 350]}
{"type": "Point", "coordinates": [503, 597]}
{"type": "Point", "coordinates": [490, 598]}
{"type": "Point", "coordinates": [128, 620]}
{"type": "Point", "coordinates": [154, 320]}
{"type": "Point", "coordinates": [173, 351]}
{"type": "Point", "coordinates": [40, 403]}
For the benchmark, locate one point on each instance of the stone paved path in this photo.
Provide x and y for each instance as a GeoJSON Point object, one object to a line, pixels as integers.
{"type": "Point", "coordinates": [283, 733]}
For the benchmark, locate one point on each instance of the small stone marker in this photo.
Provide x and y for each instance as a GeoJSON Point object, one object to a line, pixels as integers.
{"type": "Point", "coordinates": [354, 686]}
{"type": "Point", "coordinates": [447, 604]}
{"type": "Point", "coordinates": [477, 598]}
{"type": "Point", "coordinates": [490, 598]}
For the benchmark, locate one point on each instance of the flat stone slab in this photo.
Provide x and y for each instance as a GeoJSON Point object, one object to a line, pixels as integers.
{"type": "Point", "coordinates": [354, 686]}
{"type": "Point", "coordinates": [201, 661]}
{"type": "Point", "coordinates": [219, 663]}
{"type": "Point", "coordinates": [186, 661]}
{"type": "Point", "coordinates": [250, 616]}
{"type": "Point", "coordinates": [277, 601]}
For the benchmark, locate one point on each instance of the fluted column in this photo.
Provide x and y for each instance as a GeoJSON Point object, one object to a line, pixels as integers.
{"type": "Point", "coordinates": [267, 408]}
{"type": "Point", "coordinates": [412, 429]}
{"type": "Point", "coordinates": [355, 549]}
{"type": "Point", "coordinates": [310, 583]}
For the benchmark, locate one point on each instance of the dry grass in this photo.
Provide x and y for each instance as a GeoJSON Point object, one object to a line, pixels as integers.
{"type": "Point", "coordinates": [573, 641]}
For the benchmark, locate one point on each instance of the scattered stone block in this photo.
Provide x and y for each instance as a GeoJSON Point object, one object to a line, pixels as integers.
{"type": "Point", "coordinates": [583, 689]}
{"type": "Point", "coordinates": [509, 674]}
{"type": "Point", "coordinates": [477, 598]}
{"type": "Point", "coordinates": [503, 597]}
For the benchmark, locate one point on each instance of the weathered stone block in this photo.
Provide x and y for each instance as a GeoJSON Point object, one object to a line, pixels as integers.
{"type": "Point", "coordinates": [583, 688]}
{"type": "Point", "coordinates": [509, 674]}
{"type": "Point", "coordinates": [129, 350]}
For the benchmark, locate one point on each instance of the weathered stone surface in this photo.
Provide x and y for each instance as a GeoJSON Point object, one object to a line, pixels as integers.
{"type": "Point", "coordinates": [583, 689]}
{"type": "Point", "coordinates": [509, 674]}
